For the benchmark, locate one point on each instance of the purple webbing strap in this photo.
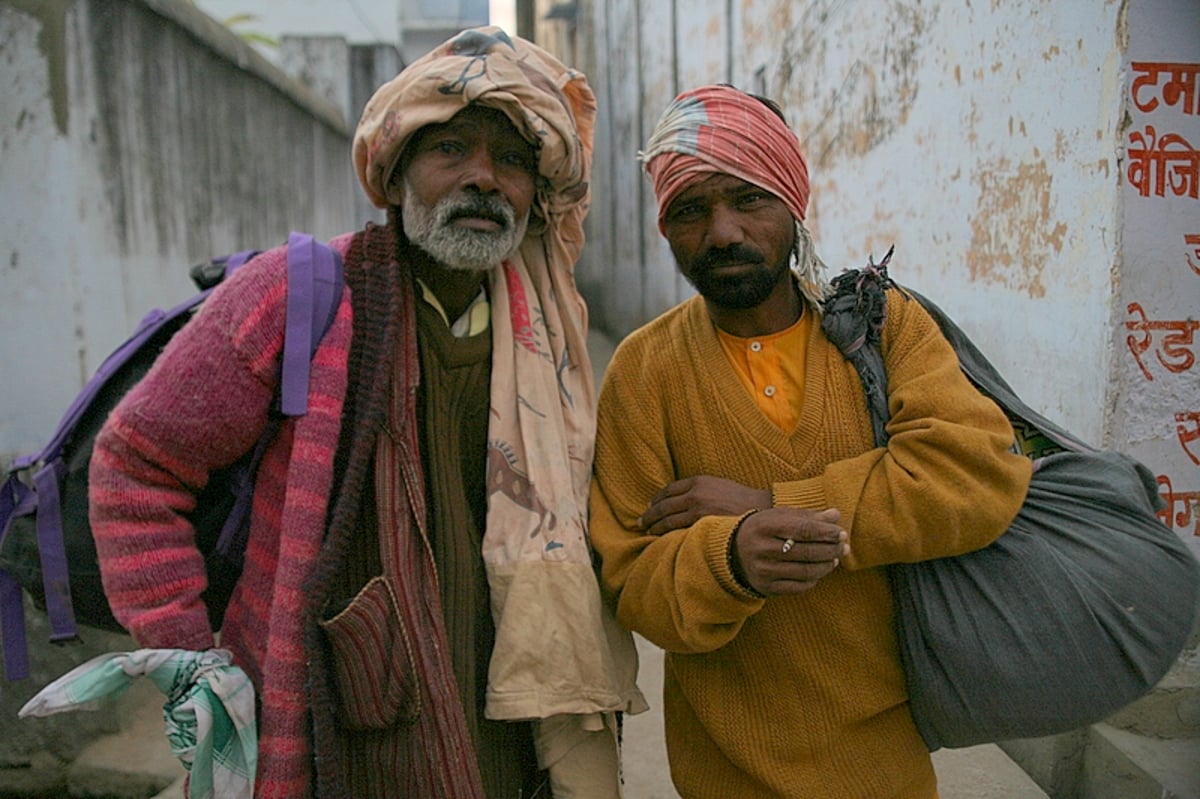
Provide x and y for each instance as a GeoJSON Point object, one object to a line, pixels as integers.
{"type": "Point", "coordinates": [313, 274]}
{"type": "Point", "coordinates": [12, 622]}
{"type": "Point", "coordinates": [232, 541]}
{"type": "Point", "coordinates": [315, 282]}
{"type": "Point", "coordinates": [51, 549]}
{"type": "Point", "coordinates": [145, 329]}
{"type": "Point", "coordinates": [12, 607]}
{"type": "Point", "coordinates": [149, 325]}
{"type": "Point", "coordinates": [236, 260]}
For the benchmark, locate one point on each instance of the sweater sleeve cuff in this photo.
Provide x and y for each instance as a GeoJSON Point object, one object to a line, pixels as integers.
{"type": "Point", "coordinates": [719, 562]}
{"type": "Point", "coordinates": [808, 493]}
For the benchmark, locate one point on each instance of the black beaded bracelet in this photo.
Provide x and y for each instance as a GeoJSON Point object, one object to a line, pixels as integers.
{"type": "Point", "coordinates": [732, 563]}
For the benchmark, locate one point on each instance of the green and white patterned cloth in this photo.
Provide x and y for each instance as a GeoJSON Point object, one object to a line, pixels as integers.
{"type": "Point", "coordinates": [209, 711]}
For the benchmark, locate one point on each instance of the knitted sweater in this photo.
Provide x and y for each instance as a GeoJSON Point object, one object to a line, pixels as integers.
{"type": "Point", "coordinates": [798, 696]}
{"type": "Point", "coordinates": [205, 403]}
{"type": "Point", "coordinates": [156, 452]}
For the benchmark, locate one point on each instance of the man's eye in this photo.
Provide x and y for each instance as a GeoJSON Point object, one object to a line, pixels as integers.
{"type": "Point", "coordinates": [518, 159]}
{"type": "Point", "coordinates": [751, 198]}
{"type": "Point", "coordinates": [684, 213]}
{"type": "Point", "coordinates": [448, 146]}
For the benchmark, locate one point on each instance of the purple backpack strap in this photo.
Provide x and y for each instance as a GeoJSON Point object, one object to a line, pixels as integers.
{"type": "Point", "coordinates": [45, 497]}
{"type": "Point", "coordinates": [12, 607]}
{"type": "Point", "coordinates": [232, 262]}
{"type": "Point", "coordinates": [314, 289]}
{"type": "Point", "coordinates": [53, 552]}
{"type": "Point", "coordinates": [12, 621]}
{"type": "Point", "coordinates": [315, 282]}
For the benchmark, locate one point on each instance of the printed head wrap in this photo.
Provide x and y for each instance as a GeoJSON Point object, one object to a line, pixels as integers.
{"type": "Point", "coordinates": [722, 129]}
{"type": "Point", "coordinates": [551, 105]}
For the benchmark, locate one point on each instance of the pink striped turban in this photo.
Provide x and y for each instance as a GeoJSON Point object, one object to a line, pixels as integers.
{"type": "Point", "coordinates": [722, 129]}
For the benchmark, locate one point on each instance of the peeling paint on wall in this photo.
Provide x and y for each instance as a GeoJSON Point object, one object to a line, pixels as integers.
{"type": "Point", "coordinates": [1014, 233]}
{"type": "Point", "coordinates": [52, 42]}
{"type": "Point", "coordinates": [898, 104]}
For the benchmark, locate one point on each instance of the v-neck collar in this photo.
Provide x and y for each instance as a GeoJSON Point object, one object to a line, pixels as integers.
{"type": "Point", "coordinates": [709, 359]}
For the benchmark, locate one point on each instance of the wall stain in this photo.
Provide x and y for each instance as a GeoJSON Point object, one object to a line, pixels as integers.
{"type": "Point", "coordinates": [874, 91]}
{"type": "Point", "coordinates": [1062, 147]}
{"type": "Point", "coordinates": [1014, 238]}
{"type": "Point", "coordinates": [52, 41]}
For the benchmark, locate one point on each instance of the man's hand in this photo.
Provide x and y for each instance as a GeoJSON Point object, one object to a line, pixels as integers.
{"type": "Point", "coordinates": [787, 550]}
{"type": "Point", "coordinates": [684, 502]}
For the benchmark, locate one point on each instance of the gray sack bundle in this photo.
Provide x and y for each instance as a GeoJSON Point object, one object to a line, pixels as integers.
{"type": "Point", "coordinates": [1078, 609]}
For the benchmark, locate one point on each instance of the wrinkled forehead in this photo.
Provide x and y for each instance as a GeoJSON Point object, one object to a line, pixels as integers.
{"type": "Point", "coordinates": [476, 120]}
{"type": "Point", "coordinates": [716, 185]}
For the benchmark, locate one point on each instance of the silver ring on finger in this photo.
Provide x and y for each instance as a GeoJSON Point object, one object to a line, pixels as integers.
{"type": "Point", "coordinates": [787, 546]}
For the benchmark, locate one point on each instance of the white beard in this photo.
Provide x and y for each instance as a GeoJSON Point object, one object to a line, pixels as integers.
{"type": "Point", "coordinates": [433, 230]}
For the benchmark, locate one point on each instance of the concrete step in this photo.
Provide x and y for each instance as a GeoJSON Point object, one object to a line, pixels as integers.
{"type": "Point", "coordinates": [982, 772]}
{"type": "Point", "coordinates": [1120, 764]}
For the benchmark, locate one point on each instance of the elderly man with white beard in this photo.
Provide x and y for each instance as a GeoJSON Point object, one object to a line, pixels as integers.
{"type": "Point", "coordinates": [408, 531]}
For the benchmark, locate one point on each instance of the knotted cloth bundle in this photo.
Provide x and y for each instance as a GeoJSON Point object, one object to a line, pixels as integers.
{"type": "Point", "coordinates": [1080, 608]}
{"type": "Point", "coordinates": [209, 712]}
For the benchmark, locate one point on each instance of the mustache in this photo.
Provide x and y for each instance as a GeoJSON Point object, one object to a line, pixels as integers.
{"type": "Point", "coordinates": [490, 207]}
{"type": "Point", "coordinates": [724, 256]}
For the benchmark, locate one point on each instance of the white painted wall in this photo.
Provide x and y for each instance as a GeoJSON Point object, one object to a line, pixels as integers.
{"type": "Point", "coordinates": [132, 148]}
{"type": "Point", "coordinates": [1156, 338]}
{"type": "Point", "coordinates": [988, 142]}
{"type": "Point", "coordinates": [980, 139]}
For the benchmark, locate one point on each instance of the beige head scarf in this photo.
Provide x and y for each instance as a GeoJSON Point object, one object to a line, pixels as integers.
{"type": "Point", "coordinates": [550, 104]}
{"type": "Point", "coordinates": [559, 656]}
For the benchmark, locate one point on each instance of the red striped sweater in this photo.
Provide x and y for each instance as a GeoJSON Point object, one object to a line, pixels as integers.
{"type": "Point", "coordinates": [203, 405]}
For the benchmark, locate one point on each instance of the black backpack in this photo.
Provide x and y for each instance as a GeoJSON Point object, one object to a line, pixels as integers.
{"type": "Point", "coordinates": [46, 545]}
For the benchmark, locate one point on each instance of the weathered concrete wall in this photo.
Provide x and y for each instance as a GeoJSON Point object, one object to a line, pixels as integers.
{"type": "Point", "coordinates": [987, 142]}
{"type": "Point", "coordinates": [137, 137]}
{"type": "Point", "coordinates": [981, 139]}
{"type": "Point", "coordinates": [346, 75]}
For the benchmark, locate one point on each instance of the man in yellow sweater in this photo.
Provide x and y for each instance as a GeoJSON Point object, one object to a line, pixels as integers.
{"type": "Point", "coordinates": [744, 516]}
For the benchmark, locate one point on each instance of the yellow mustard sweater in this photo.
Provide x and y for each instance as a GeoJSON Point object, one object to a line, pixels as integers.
{"type": "Point", "coordinates": [798, 696]}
